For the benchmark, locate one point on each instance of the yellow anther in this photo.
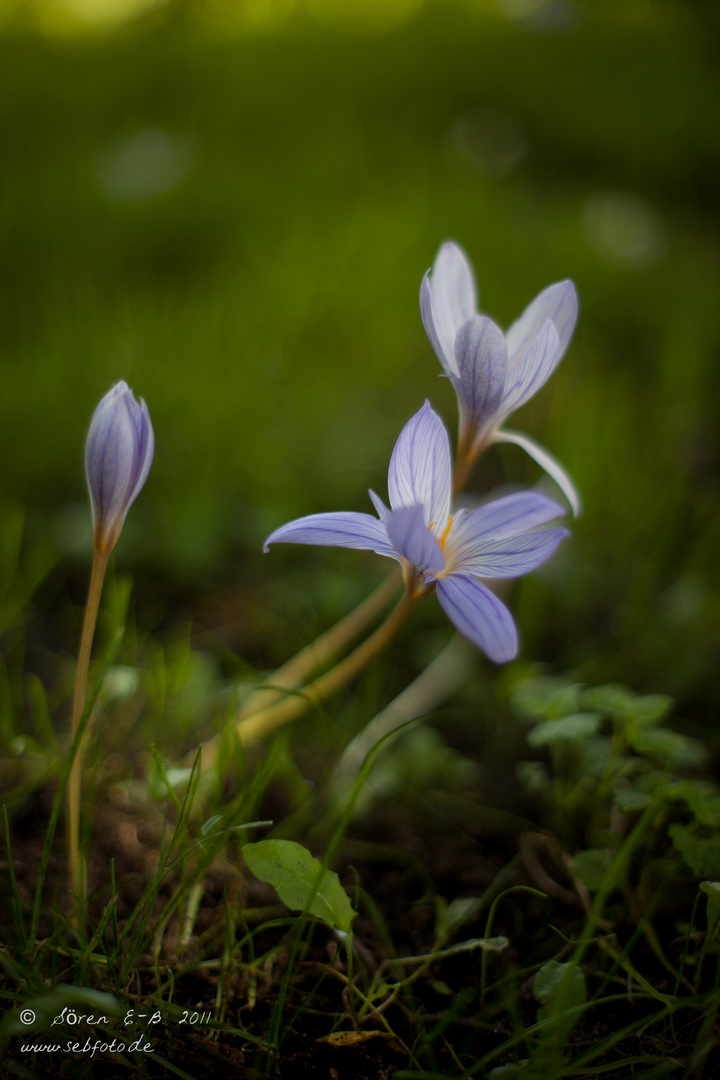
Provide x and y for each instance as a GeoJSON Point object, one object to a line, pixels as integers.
{"type": "Point", "coordinates": [443, 538]}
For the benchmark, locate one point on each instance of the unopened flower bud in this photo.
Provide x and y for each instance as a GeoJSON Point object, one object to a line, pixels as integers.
{"type": "Point", "coordinates": [118, 456]}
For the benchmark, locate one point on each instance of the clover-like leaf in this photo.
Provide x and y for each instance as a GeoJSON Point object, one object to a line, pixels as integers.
{"type": "Point", "coordinates": [590, 866]}
{"type": "Point", "coordinates": [544, 697]}
{"type": "Point", "coordinates": [650, 708]}
{"type": "Point", "coordinates": [614, 701]}
{"type": "Point", "coordinates": [561, 989]}
{"type": "Point", "coordinates": [622, 704]}
{"type": "Point", "coordinates": [629, 799]}
{"type": "Point", "coordinates": [700, 852]}
{"type": "Point", "coordinates": [302, 883]}
{"type": "Point", "coordinates": [547, 983]}
{"type": "Point", "coordinates": [667, 746]}
{"type": "Point", "coordinates": [575, 728]}
{"type": "Point", "coordinates": [702, 798]}
{"type": "Point", "coordinates": [712, 890]}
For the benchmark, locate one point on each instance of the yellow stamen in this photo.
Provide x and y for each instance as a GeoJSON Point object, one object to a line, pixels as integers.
{"type": "Point", "coordinates": [443, 538]}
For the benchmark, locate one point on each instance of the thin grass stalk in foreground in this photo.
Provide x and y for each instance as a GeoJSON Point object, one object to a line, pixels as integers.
{"type": "Point", "coordinates": [488, 927]}
{"type": "Point", "coordinates": [62, 786]}
{"type": "Point", "coordinates": [15, 895]}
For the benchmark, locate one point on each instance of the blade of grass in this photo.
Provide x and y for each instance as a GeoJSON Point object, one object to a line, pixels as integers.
{"type": "Point", "coordinates": [16, 902]}
{"type": "Point", "coordinates": [64, 778]}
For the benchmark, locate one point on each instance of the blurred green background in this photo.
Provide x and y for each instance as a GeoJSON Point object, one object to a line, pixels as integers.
{"type": "Point", "coordinates": [231, 206]}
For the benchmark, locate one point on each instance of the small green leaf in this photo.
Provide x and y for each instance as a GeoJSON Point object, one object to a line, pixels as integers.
{"type": "Point", "coordinates": [650, 708]}
{"type": "Point", "coordinates": [701, 853]}
{"type": "Point", "coordinates": [210, 824]}
{"type": "Point", "coordinates": [596, 752]}
{"type": "Point", "coordinates": [487, 944]}
{"type": "Point", "coordinates": [547, 983]}
{"type": "Point", "coordinates": [667, 746]}
{"type": "Point", "coordinates": [590, 866]}
{"type": "Point", "coordinates": [712, 889]}
{"type": "Point", "coordinates": [628, 799]}
{"type": "Point", "coordinates": [381, 992]}
{"type": "Point", "coordinates": [573, 728]}
{"type": "Point", "coordinates": [560, 988]}
{"type": "Point", "coordinates": [701, 797]}
{"type": "Point", "coordinates": [302, 883]}
{"type": "Point", "coordinates": [450, 917]}
{"type": "Point", "coordinates": [614, 701]}
{"type": "Point", "coordinates": [534, 776]}
{"type": "Point", "coordinates": [545, 698]}
{"type": "Point", "coordinates": [509, 1069]}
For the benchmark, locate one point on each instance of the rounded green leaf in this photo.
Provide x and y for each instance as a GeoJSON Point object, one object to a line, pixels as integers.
{"type": "Point", "coordinates": [700, 852]}
{"type": "Point", "coordinates": [574, 728]}
{"type": "Point", "coordinates": [544, 697]}
{"type": "Point", "coordinates": [302, 883]}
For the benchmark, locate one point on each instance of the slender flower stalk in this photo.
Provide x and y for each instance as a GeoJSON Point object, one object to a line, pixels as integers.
{"type": "Point", "coordinates": [292, 675]}
{"type": "Point", "coordinates": [291, 707]}
{"type": "Point", "coordinates": [314, 656]}
{"type": "Point", "coordinates": [97, 577]}
{"type": "Point", "coordinates": [439, 551]}
{"type": "Point", "coordinates": [118, 455]}
{"type": "Point", "coordinates": [495, 373]}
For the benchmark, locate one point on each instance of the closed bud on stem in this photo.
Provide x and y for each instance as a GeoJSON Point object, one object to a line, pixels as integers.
{"type": "Point", "coordinates": [118, 456]}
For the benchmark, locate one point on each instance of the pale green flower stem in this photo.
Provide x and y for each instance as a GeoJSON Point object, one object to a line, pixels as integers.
{"type": "Point", "coordinates": [313, 657]}
{"type": "Point", "coordinates": [97, 577]}
{"type": "Point", "coordinates": [469, 449]}
{"type": "Point", "coordinates": [292, 706]}
{"type": "Point", "coordinates": [258, 724]}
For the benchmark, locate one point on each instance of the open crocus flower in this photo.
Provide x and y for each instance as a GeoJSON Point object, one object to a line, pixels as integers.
{"type": "Point", "coordinates": [439, 550]}
{"type": "Point", "coordinates": [495, 373]}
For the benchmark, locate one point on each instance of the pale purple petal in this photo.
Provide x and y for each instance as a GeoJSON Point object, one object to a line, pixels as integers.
{"type": "Point", "coordinates": [342, 529]}
{"type": "Point", "coordinates": [413, 540]}
{"type": "Point", "coordinates": [508, 556]}
{"type": "Point", "coordinates": [507, 516]}
{"type": "Point", "coordinates": [559, 304]}
{"type": "Point", "coordinates": [481, 360]}
{"type": "Point", "coordinates": [546, 461]}
{"type": "Point", "coordinates": [380, 507]}
{"type": "Point", "coordinates": [118, 455]}
{"type": "Point", "coordinates": [531, 369]}
{"type": "Point", "coordinates": [420, 468]}
{"type": "Point", "coordinates": [444, 351]}
{"type": "Point", "coordinates": [479, 615]}
{"type": "Point", "coordinates": [145, 447]}
{"type": "Point", "coordinates": [448, 298]}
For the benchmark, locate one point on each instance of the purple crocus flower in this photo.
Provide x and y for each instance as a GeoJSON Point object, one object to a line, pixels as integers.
{"type": "Point", "coordinates": [118, 455]}
{"type": "Point", "coordinates": [438, 550]}
{"type": "Point", "coordinates": [495, 373]}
